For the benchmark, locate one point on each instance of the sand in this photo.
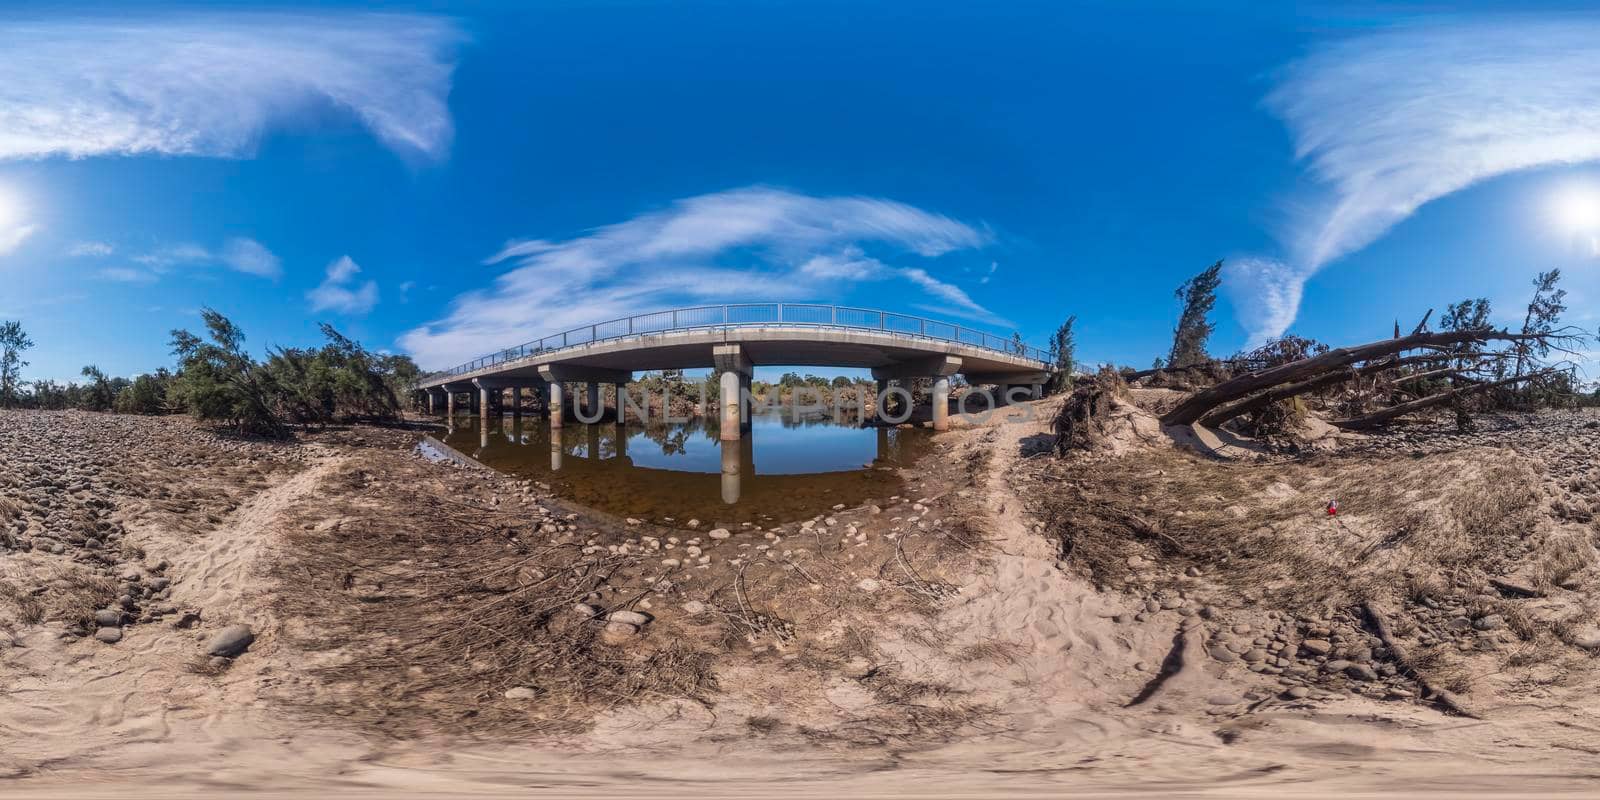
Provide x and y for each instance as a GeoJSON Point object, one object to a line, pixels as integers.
{"type": "Point", "coordinates": [1071, 713]}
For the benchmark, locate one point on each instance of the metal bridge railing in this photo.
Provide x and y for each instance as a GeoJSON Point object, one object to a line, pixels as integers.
{"type": "Point", "coordinates": [753, 314]}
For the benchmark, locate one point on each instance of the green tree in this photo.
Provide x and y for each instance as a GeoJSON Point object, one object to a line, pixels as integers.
{"type": "Point", "coordinates": [1544, 312]}
{"type": "Point", "coordinates": [147, 394]}
{"type": "Point", "coordinates": [1199, 295]}
{"type": "Point", "coordinates": [1063, 354]}
{"type": "Point", "coordinates": [217, 381]}
{"type": "Point", "coordinates": [13, 341]}
{"type": "Point", "coordinates": [98, 395]}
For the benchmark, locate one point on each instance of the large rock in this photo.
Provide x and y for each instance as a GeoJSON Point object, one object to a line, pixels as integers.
{"type": "Point", "coordinates": [231, 642]}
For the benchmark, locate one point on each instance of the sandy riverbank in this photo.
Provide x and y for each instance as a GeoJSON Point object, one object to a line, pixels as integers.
{"type": "Point", "coordinates": [415, 631]}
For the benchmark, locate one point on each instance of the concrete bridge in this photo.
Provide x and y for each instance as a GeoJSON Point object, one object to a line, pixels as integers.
{"type": "Point", "coordinates": [736, 339]}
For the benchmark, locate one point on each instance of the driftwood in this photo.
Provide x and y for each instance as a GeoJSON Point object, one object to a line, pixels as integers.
{"type": "Point", "coordinates": [1377, 418]}
{"type": "Point", "coordinates": [1204, 402]}
{"type": "Point", "coordinates": [1397, 652]}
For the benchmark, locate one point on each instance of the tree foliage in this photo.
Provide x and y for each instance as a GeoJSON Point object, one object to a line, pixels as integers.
{"type": "Point", "coordinates": [1189, 339]}
{"type": "Point", "coordinates": [13, 341]}
{"type": "Point", "coordinates": [1063, 354]}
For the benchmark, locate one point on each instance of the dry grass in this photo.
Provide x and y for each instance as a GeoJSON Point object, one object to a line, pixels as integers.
{"type": "Point", "coordinates": [1405, 527]}
{"type": "Point", "coordinates": [434, 622]}
{"type": "Point", "coordinates": [68, 593]}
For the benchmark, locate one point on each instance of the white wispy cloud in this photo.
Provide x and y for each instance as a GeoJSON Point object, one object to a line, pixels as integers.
{"type": "Point", "coordinates": [787, 246]}
{"type": "Point", "coordinates": [128, 275]}
{"type": "Point", "coordinates": [1389, 121]}
{"type": "Point", "coordinates": [250, 257]}
{"type": "Point", "coordinates": [212, 84]}
{"type": "Point", "coordinates": [12, 236]}
{"type": "Point", "coordinates": [90, 249]}
{"type": "Point", "coordinates": [337, 293]}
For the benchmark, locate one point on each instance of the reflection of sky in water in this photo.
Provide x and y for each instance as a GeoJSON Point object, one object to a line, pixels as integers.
{"type": "Point", "coordinates": [780, 470]}
{"type": "Point", "coordinates": [779, 449]}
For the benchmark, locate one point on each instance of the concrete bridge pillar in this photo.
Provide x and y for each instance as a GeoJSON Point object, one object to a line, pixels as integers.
{"type": "Point", "coordinates": [516, 402]}
{"type": "Point", "coordinates": [557, 374]}
{"type": "Point", "coordinates": [736, 372]}
{"type": "Point", "coordinates": [590, 411]}
{"type": "Point", "coordinates": [939, 368]}
{"type": "Point", "coordinates": [941, 402]}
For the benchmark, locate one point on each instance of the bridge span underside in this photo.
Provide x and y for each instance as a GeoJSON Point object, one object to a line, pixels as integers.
{"type": "Point", "coordinates": [737, 350]}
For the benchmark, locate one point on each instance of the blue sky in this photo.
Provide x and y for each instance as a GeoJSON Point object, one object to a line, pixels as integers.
{"type": "Point", "coordinates": [448, 179]}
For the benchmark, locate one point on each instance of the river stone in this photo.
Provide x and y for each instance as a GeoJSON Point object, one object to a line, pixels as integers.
{"type": "Point", "coordinates": [108, 618]}
{"type": "Point", "coordinates": [520, 693]}
{"type": "Point", "coordinates": [1254, 656]}
{"type": "Point", "coordinates": [1361, 672]}
{"type": "Point", "coordinates": [618, 632]}
{"type": "Point", "coordinates": [1337, 665]}
{"type": "Point", "coordinates": [869, 584]}
{"type": "Point", "coordinates": [694, 607]}
{"type": "Point", "coordinates": [1221, 653]}
{"type": "Point", "coordinates": [633, 618]}
{"type": "Point", "coordinates": [1317, 647]}
{"type": "Point", "coordinates": [1492, 622]}
{"type": "Point", "coordinates": [109, 635]}
{"type": "Point", "coordinates": [1587, 638]}
{"type": "Point", "coordinates": [1297, 692]}
{"type": "Point", "coordinates": [719, 533]}
{"type": "Point", "coordinates": [231, 642]}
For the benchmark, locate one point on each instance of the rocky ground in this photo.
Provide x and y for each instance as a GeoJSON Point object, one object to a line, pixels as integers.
{"type": "Point", "coordinates": [182, 611]}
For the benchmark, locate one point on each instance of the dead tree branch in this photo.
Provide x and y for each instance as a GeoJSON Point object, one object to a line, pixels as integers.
{"type": "Point", "coordinates": [1203, 402]}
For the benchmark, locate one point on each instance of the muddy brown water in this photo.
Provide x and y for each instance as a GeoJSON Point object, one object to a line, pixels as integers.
{"type": "Point", "coordinates": [781, 471]}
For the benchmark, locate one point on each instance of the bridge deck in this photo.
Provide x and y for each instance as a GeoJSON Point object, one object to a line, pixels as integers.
{"type": "Point", "coordinates": [780, 341]}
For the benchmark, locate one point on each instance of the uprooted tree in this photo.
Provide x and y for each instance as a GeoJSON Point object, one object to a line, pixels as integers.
{"type": "Point", "coordinates": [1456, 358]}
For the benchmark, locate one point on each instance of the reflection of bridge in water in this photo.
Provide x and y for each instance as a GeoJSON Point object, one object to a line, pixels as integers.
{"type": "Point", "coordinates": [735, 339]}
{"type": "Point", "coordinates": [667, 470]}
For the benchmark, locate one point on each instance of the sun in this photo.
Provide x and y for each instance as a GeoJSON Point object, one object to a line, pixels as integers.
{"type": "Point", "coordinates": [1575, 207]}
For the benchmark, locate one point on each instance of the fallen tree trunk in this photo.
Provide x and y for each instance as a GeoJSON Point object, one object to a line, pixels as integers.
{"type": "Point", "coordinates": [1377, 418]}
{"type": "Point", "coordinates": [1203, 402]}
{"type": "Point", "coordinates": [1222, 414]}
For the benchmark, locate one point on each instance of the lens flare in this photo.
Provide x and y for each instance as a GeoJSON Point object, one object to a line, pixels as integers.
{"type": "Point", "coordinates": [1575, 208]}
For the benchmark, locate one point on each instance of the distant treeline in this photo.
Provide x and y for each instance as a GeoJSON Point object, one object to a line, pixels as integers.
{"type": "Point", "coordinates": [215, 379]}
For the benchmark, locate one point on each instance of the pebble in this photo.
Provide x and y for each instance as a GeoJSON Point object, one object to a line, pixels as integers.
{"type": "Point", "coordinates": [109, 635]}
{"type": "Point", "coordinates": [869, 584]}
{"type": "Point", "coordinates": [1221, 653]}
{"type": "Point", "coordinates": [633, 618]}
{"type": "Point", "coordinates": [719, 533]}
{"type": "Point", "coordinates": [231, 642]}
{"type": "Point", "coordinates": [521, 693]}
{"type": "Point", "coordinates": [1317, 647]}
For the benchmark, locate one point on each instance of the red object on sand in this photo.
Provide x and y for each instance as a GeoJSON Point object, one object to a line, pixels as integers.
{"type": "Point", "coordinates": [1333, 508]}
